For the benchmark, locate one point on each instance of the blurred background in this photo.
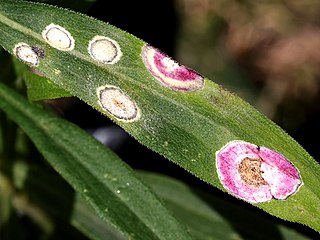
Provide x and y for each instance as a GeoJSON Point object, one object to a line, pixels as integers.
{"type": "Point", "coordinates": [267, 51]}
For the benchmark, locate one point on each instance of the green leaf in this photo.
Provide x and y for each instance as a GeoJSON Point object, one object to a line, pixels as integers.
{"type": "Point", "coordinates": [206, 216]}
{"type": "Point", "coordinates": [209, 217]}
{"type": "Point", "coordinates": [83, 218]}
{"type": "Point", "coordinates": [40, 88]}
{"type": "Point", "coordinates": [95, 172]}
{"type": "Point", "coordinates": [186, 127]}
{"type": "Point", "coordinates": [79, 5]}
{"type": "Point", "coordinates": [60, 201]}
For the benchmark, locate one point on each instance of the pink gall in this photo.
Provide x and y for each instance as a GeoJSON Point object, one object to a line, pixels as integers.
{"type": "Point", "coordinates": [170, 73]}
{"type": "Point", "coordinates": [256, 174]}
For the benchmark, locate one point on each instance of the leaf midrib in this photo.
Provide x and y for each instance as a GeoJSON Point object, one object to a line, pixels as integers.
{"type": "Point", "coordinates": [118, 74]}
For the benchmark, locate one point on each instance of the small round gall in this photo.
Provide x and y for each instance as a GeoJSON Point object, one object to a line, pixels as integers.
{"type": "Point", "coordinates": [113, 100]}
{"type": "Point", "coordinates": [256, 174]}
{"type": "Point", "coordinates": [104, 49]}
{"type": "Point", "coordinates": [58, 37]}
{"type": "Point", "coordinates": [170, 73]}
{"type": "Point", "coordinates": [26, 54]}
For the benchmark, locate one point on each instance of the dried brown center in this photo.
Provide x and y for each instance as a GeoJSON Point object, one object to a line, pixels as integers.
{"type": "Point", "coordinates": [250, 172]}
{"type": "Point", "coordinates": [119, 104]}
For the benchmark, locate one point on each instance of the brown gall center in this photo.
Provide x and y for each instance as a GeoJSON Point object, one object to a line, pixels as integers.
{"type": "Point", "coordinates": [250, 172]}
{"type": "Point", "coordinates": [119, 104]}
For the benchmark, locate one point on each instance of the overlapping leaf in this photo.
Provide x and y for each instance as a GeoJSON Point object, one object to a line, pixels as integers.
{"type": "Point", "coordinates": [95, 172]}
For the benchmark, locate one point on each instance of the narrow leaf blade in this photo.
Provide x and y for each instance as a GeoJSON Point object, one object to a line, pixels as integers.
{"type": "Point", "coordinates": [210, 217]}
{"type": "Point", "coordinates": [59, 200]}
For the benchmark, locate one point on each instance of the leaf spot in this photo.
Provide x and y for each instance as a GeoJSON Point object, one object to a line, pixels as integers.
{"type": "Point", "coordinates": [26, 54]}
{"type": "Point", "coordinates": [170, 73]}
{"type": "Point", "coordinates": [58, 37]}
{"type": "Point", "coordinates": [104, 49]}
{"type": "Point", "coordinates": [117, 103]}
{"type": "Point", "coordinates": [256, 174]}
